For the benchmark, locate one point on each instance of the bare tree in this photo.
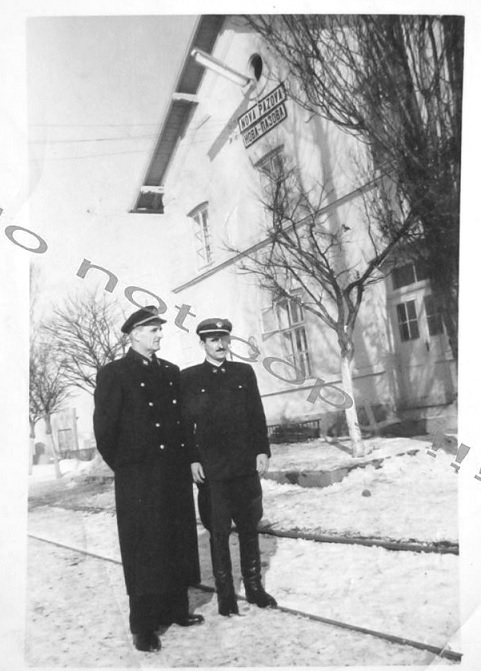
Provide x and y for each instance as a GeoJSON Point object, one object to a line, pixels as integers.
{"type": "Point", "coordinates": [84, 329]}
{"type": "Point", "coordinates": [314, 260]}
{"type": "Point", "coordinates": [35, 412]}
{"type": "Point", "coordinates": [48, 390]}
{"type": "Point", "coordinates": [396, 83]}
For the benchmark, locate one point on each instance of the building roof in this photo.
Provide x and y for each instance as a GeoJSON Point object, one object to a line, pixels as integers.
{"type": "Point", "coordinates": [183, 100]}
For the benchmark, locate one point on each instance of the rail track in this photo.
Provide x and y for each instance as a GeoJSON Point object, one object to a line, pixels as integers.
{"type": "Point", "coordinates": [400, 640]}
{"type": "Point", "coordinates": [441, 547]}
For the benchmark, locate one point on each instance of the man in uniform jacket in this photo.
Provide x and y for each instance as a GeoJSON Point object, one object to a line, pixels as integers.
{"type": "Point", "coordinates": [226, 434]}
{"type": "Point", "coordinates": [138, 433]}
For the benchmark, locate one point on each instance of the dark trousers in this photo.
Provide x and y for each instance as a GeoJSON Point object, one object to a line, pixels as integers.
{"type": "Point", "coordinates": [223, 501]}
{"type": "Point", "coordinates": [149, 611]}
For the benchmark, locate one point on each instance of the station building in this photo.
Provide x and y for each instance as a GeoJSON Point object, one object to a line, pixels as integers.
{"type": "Point", "coordinates": [227, 125]}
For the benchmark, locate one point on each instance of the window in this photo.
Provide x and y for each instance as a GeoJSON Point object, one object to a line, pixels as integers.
{"type": "Point", "coordinates": [256, 66]}
{"type": "Point", "coordinates": [269, 321]}
{"type": "Point", "coordinates": [286, 317]}
{"type": "Point", "coordinates": [202, 237]}
{"type": "Point", "coordinates": [272, 165]}
{"type": "Point", "coordinates": [66, 442]}
{"type": "Point", "coordinates": [272, 170]}
{"type": "Point", "coordinates": [408, 274]}
{"type": "Point", "coordinates": [434, 312]}
{"type": "Point", "coordinates": [407, 321]}
{"type": "Point", "coordinates": [150, 200]}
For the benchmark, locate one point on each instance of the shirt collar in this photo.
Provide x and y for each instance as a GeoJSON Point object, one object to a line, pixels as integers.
{"type": "Point", "coordinates": [213, 368]}
{"type": "Point", "coordinates": [140, 358]}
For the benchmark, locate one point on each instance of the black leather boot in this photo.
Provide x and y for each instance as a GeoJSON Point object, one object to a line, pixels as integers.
{"type": "Point", "coordinates": [147, 641]}
{"type": "Point", "coordinates": [222, 569]}
{"type": "Point", "coordinates": [251, 572]}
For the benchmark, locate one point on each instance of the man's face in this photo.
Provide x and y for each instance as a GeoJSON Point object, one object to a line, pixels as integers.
{"type": "Point", "coordinates": [148, 338]}
{"type": "Point", "coordinates": [216, 347]}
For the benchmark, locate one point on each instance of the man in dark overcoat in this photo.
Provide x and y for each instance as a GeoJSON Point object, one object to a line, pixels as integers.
{"type": "Point", "coordinates": [138, 433]}
{"type": "Point", "coordinates": [226, 434]}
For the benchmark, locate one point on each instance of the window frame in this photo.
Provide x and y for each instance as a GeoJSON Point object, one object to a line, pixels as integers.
{"type": "Point", "coordinates": [293, 333]}
{"type": "Point", "coordinates": [268, 174]}
{"type": "Point", "coordinates": [419, 274]}
{"type": "Point", "coordinates": [433, 310]}
{"type": "Point", "coordinates": [202, 235]}
{"type": "Point", "coordinates": [408, 324]}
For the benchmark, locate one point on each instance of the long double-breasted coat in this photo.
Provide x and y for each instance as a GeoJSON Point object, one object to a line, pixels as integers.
{"type": "Point", "coordinates": [138, 433]}
{"type": "Point", "coordinates": [225, 424]}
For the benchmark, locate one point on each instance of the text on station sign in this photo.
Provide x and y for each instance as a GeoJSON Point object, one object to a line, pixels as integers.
{"type": "Point", "coordinates": [262, 107]}
{"type": "Point", "coordinates": [264, 125]}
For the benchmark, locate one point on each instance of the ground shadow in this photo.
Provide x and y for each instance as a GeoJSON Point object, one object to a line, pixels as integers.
{"type": "Point", "coordinates": [200, 597]}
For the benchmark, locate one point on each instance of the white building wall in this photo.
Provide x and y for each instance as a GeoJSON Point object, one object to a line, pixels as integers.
{"type": "Point", "coordinates": [212, 165]}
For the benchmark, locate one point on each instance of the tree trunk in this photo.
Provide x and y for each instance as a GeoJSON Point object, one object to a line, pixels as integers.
{"type": "Point", "coordinates": [51, 444]}
{"type": "Point", "coordinates": [32, 447]}
{"type": "Point", "coordinates": [450, 320]}
{"type": "Point", "coordinates": [358, 446]}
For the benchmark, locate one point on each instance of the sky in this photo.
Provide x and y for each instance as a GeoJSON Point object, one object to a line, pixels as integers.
{"type": "Point", "coordinates": [97, 90]}
{"type": "Point", "coordinates": [89, 100]}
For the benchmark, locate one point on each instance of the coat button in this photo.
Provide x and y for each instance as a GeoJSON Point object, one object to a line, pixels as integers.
{"type": "Point", "coordinates": [157, 424]}
{"type": "Point", "coordinates": [150, 403]}
{"type": "Point", "coordinates": [161, 447]}
{"type": "Point", "coordinates": [174, 401]}
{"type": "Point", "coordinates": [171, 383]}
{"type": "Point", "coordinates": [142, 384]}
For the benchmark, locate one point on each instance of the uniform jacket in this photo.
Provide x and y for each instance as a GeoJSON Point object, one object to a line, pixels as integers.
{"type": "Point", "coordinates": [223, 418]}
{"type": "Point", "coordinates": [137, 428]}
{"type": "Point", "coordinates": [137, 413]}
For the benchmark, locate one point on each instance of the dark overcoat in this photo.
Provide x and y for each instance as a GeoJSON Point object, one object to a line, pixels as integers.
{"type": "Point", "coordinates": [138, 433]}
{"type": "Point", "coordinates": [223, 417]}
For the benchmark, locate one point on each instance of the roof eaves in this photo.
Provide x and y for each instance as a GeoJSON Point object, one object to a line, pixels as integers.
{"type": "Point", "coordinates": [183, 100]}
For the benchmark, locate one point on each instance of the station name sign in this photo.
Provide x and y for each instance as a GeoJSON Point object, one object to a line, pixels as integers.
{"type": "Point", "coordinates": [263, 116]}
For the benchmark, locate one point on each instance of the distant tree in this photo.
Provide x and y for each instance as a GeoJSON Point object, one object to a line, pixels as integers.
{"type": "Point", "coordinates": [84, 330]}
{"type": "Point", "coordinates": [34, 410]}
{"type": "Point", "coordinates": [48, 390]}
{"type": "Point", "coordinates": [395, 82]}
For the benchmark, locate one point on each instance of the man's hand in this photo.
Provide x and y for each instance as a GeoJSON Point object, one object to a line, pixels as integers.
{"type": "Point", "coordinates": [262, 463]}
{"type": "Point", "coordinates": [197, 472]}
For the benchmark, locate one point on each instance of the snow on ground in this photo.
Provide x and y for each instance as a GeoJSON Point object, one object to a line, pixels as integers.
{"type": "Point", "coordinates": [319, 453]}
{"type": "Point", "coordinates": [408, 594]}
{"type": "Point", "coordinates": [68, 467]}
{"type": "Point", "coordinates": [79, 618]}
{"type": "Point", "coordinates": [359, 585]}
{"type": "Point", "coordinates": [410, 498]}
